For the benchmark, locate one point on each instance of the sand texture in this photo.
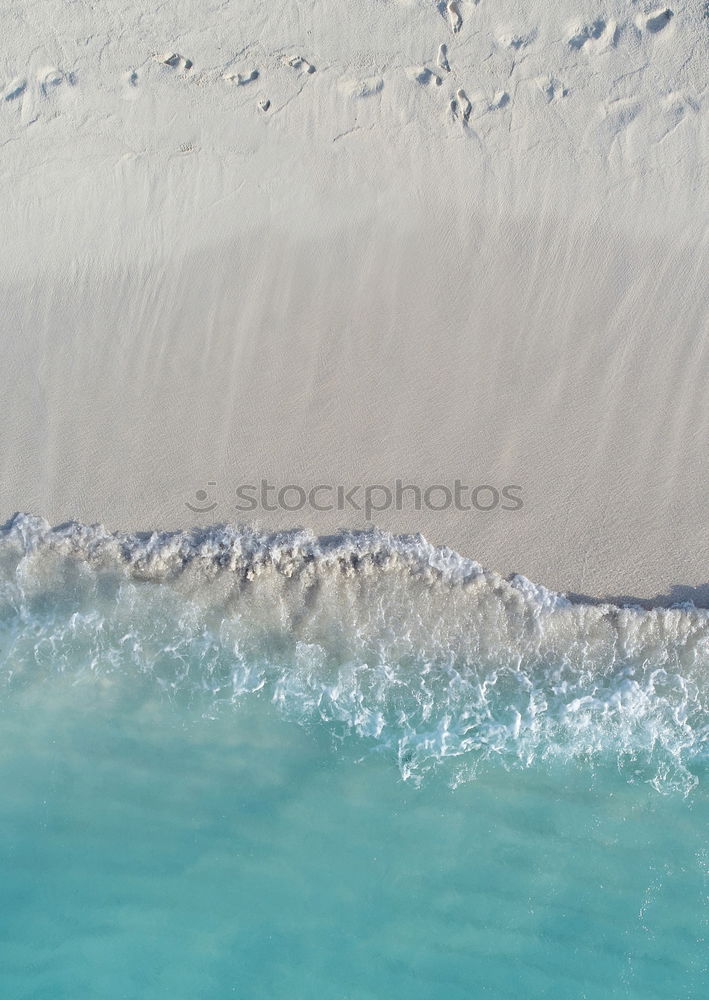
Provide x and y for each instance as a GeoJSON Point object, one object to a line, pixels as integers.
{"type": "Point", "coordinates": [326, 243]}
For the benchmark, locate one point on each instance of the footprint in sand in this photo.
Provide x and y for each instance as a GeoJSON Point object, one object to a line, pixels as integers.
{"type": "Point", "coordinates": [300, 64]}
{"type": "Point", "coordinates": [656, 21]}
{"type": "Point", "coordinates": [443, 57]}
{"type": "Point", "coordinates": [52, 81]}
{"type": "Point", "coordinates": [15, 89]}
{"type": "Point", "coordinates": [552, 88]}
{"type": "Point", "coordinates": [597, 35]}
{"type": "Point", "coordinates": [619, 113]}
{"type": "Point", "coordinates": [426, 77]}
{"type": "Point", "coordinates": [48, 86]}
{"type": "Point", "coordinates": [674, 109]}
{"type": "Point", "coordinates": [463, 104]}
{"type": "Point", "coordinates": [175, 61]}
{"type": "Point", "coordinates": [241, 79]}
{"type": "Point", "coordinates": [49, 78]}
{"type": "Point", "coordinates": [131, 91]}
{"type": "Point", "coordinates": [515, 40]}
{"type": "Point", "coordinates": [455, 18]}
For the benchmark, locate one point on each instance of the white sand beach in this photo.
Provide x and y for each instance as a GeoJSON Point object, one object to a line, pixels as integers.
{"type": "Point", "coordinates": [348, 244]}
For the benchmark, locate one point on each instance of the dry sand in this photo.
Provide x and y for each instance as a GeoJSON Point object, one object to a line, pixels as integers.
{"type": "Point", "coordinates": [246, 242]}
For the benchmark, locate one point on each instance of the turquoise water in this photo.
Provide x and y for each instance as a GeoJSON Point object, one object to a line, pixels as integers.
{"type": "Point", "coordinates": [214, 792]}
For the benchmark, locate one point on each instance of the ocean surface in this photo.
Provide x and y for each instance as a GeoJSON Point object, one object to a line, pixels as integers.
{"type": "Point", "coordinates": [244, 765]}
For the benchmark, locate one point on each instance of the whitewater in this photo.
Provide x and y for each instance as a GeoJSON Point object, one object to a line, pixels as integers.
{"type": "Point", "coordinates": [324, 243]}
{"type": "Point", "coordinates": [414, 650]}
{"type": "Point", "coordinates": [245, 764]}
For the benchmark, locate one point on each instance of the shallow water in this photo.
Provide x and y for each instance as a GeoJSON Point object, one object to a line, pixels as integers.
{"type": "Point", "coordinates": [147, 851]}
{"type": "Point", "coordinates": [408, 789]}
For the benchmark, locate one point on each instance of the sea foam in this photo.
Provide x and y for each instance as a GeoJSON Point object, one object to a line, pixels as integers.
{"type": "Point", "coordinates": [415, 650]}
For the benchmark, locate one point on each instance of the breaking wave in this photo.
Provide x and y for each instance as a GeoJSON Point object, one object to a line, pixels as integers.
{"type": "Point", "coordinates": [418, 652]}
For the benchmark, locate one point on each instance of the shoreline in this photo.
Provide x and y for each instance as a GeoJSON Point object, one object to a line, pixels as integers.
{"type": "Point", "coordinates": [368, 280]}
{"type": "Point", "coordinates": [126, 397]}
{"type": "Point", "coordinates": [245, 550]}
